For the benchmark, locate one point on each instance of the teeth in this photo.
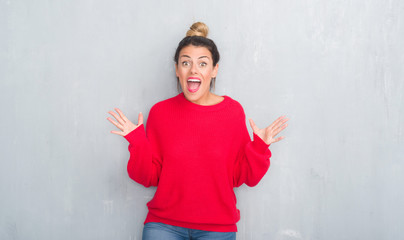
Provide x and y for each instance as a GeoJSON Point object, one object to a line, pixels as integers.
{"type": "Point", "coordinates": [194, 80]}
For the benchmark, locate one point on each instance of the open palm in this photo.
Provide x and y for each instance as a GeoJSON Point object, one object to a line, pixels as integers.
{"type": "Point", "coordinates": [123, 123]}
{"type": "Point", "coordinates": [269, 133]}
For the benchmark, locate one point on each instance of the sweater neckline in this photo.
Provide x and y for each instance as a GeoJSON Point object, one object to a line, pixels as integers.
{"type": "Point", "coordinates": [195, 106]}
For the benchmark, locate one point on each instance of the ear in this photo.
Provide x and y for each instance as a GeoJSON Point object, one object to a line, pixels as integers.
{"type": "Point", "coordinates": [215, 69]}
{"type": "Point", "coordinates": [176, 69]}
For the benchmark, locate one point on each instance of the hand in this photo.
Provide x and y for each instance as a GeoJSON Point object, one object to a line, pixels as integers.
{"type": "Point", "coordinates": [268, 134]}
{"type": "Point", "coordinates": [123, 123]}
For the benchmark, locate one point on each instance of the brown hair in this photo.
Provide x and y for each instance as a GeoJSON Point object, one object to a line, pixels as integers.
{"type": "Point", "coordinates": [198, 29]}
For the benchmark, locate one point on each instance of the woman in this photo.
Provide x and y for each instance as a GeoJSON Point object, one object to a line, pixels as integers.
{"type": "Point", "coordinates": [196, 149]}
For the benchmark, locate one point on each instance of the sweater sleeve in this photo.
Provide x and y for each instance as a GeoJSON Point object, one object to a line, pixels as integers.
{"type": "Point", "coordinates": [252, 161]}
{"type": "Point", "coordinates": [144, 165]}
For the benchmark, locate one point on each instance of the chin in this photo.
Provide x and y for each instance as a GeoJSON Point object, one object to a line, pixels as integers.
{"type": "Point", "coordinates": [191, 96]}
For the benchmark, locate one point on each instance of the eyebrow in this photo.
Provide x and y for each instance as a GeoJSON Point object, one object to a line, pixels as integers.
{"type": "Point", "coordinates": [198, 58]}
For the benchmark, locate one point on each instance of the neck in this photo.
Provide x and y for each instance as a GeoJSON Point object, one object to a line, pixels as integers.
{"type": "Point", "coordinates": [207, 100]}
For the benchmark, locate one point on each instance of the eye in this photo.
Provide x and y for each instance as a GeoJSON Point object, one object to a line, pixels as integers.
{"type": "Point", "coordinates": [185, 63]}
{"type": "Point", "coordinates": [203, 64]}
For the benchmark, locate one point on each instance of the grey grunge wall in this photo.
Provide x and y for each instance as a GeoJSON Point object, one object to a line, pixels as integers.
{"type": "Point", "coordinates": [334, 67]}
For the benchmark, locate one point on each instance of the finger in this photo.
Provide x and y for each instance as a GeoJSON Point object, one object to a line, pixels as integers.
{"type": "Point", "coordinates": [118, 133]}
{"type": "Point", "coordinates": [120, 120]}
{"type": "Point", "coordinates": [124, 118]}
{"type": "Point", "coordinates": [280, 124]}
{"type": "Point", "coordinates": [253, 126]}
{"type": "Point", "coordinates": [278, 130]}
{"type": "Point", "coordinates": [276, 122]}
{"type": "Point", "coordinates": [278, 139]}
{"type": "Point", "coordinates": [115, 123]}
{"type": "Point", "coordinates": [274, 126]}
{"type": "Point", "coordinates": [140, 119]}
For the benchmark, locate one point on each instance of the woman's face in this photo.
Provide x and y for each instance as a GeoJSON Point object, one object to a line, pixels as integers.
{"type": "Point", "coordinates": [195, 70]}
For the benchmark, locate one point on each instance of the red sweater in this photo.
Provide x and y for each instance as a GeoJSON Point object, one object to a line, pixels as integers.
{"type": "Point", "coordinates": [196, 155]}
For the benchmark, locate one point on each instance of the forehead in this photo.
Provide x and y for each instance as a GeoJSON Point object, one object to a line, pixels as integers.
{"type": "Point", "coordinates": [195, 52]}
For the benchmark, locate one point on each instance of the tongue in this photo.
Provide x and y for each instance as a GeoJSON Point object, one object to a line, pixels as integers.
{"type": "Point", "coordinates": [193, 86]}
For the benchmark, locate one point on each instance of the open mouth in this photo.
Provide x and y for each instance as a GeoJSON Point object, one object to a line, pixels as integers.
{"type": "Point", "coordinates": [193, 84]}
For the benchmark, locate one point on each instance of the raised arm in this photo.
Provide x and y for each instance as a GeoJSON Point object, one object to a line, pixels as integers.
{"type": "Point", "coordinates": [253, 159]}
{"type": "Point", "coordinates": [144, 165]}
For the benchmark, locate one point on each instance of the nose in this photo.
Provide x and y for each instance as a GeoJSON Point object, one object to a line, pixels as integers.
{"type": "Point", "coordinates": [194, 68]}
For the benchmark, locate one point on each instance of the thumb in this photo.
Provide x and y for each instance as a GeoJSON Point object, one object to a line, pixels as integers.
{"type": "Point", "coordinates": [140, 119]}
{"type": "Point", "coordinates": [253, 126]}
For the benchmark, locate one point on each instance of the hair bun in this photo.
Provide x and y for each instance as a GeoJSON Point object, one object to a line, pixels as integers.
{"type": "Point", "coordinates": [198, 29]}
